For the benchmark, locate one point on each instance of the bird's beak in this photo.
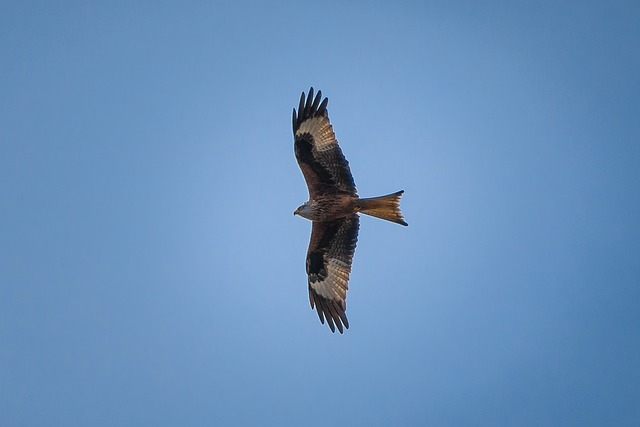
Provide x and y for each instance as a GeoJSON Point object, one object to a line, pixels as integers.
{"type": "Point", "coordinates": [295, 212]}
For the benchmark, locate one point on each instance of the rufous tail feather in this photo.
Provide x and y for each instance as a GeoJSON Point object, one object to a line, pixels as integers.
{"type": "Point", "coordinates": [383, 207]}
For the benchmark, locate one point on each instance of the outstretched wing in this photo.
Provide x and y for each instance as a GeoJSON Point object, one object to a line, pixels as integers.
{"type": "Point", "coordinates": [329, 258]}
{"type": "Point", "coordinates": [323, 165]}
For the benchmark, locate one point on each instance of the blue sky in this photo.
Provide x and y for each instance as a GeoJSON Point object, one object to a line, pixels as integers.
{"type": "Point", "coordinates": [152, 272]}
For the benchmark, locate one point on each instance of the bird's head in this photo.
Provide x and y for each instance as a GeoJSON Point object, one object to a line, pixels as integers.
{"type": "Point", "coordinates": [303, 210]}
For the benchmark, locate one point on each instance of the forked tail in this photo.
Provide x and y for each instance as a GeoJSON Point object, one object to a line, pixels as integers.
{"type": "Point", "coordinates": [384, 207]}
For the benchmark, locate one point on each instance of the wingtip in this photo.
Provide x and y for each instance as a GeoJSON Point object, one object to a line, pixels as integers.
{"type": "Point", "coordinates": [311, 104]}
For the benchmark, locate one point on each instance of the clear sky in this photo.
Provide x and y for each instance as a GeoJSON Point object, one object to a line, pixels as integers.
{"type": "Point", "coordinates": [152, 272]}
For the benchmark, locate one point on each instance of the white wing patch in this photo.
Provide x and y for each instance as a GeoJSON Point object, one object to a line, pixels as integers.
{"type": "Point", "coordinates": [321, 130]}
{"type": "Point", "coordinates": [335, 286]}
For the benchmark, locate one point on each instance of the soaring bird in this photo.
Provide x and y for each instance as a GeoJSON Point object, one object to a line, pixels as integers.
{"type": "Point", "coordinates": [333, 208]}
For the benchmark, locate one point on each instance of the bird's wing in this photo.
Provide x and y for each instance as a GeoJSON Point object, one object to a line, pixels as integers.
{"type": "Point", "coordinates": [329, 258]}
{"type": "Point", "coordinates": [323, 165]}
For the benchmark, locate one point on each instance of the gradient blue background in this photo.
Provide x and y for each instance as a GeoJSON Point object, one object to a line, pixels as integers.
{"type": "Point", "coordinates": [152, 272]}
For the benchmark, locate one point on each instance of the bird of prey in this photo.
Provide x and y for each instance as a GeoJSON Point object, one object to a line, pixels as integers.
{"type": "Point", "coordinates": [333, 208]}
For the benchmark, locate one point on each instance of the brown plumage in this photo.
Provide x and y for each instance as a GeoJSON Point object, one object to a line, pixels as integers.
{"type": "Point", "coordinates": [333, 207]}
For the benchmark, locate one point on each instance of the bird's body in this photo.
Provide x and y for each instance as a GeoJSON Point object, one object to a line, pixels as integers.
{"type": "Point", "coordinates": [333, 207]}
{"type": "Point", "coordinates": [327, 207]}
{"type": "Point", "coordinates": [330, 207]}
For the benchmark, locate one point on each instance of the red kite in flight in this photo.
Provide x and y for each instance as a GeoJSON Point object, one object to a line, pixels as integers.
{"type": "Point", "coordinates": [333, 208]}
